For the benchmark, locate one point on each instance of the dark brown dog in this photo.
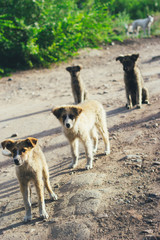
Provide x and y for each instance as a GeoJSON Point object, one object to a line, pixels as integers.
{"type": "Point", "coordinates": [135, 92]}
{"type": "Point", "coordinates": [77, 84]}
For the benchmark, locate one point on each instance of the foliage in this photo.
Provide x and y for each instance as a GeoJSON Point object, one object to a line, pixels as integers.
{"type": "Point", "coordinates": [40, 32]}
{"type": "Point", "coordinates": [135, 8]}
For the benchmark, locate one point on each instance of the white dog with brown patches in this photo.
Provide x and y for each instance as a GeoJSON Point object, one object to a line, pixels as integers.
{"type": "Point", "coordinates": [31, 166]}
{"type": "Point", "coordinates": [81, 123]}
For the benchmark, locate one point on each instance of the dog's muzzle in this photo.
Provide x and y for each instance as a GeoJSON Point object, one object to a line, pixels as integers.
{"type": "Point", "coordinates": [16, 161]}
{"type": "Point", "coordinates": [68, 125]}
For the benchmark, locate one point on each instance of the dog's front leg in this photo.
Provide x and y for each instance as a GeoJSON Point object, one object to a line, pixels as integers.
{"type": "Point", "coordinates": [139, 97]}
{"type": "Point", "coordinates": [40, 192]}
{"type": "Point", "coordinates": [75, 154]}
{"type": "Point", "coordinates": [89, 152]}
{"type": "Point", "coordinates": [149, 30]}
{"type": "Point", "coordinates": [129, 100]}
{"type": "Point", "coordinates": [76, 99]}
{"type": "Point", "coordinates": [24, 187]}
{"type": "Point", "coordinates": [82, 96]}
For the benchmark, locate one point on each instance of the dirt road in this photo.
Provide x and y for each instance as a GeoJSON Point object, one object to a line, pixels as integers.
{"type": "Point", "coordinates": [120, 197]}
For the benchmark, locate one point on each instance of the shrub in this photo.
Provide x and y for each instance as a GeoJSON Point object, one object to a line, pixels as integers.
{"type": "Point", "coordinates": [40, 32]}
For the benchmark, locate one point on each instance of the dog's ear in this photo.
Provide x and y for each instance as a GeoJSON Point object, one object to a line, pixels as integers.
{"type": "Point", "coordinates": [120, 58]}
{"type": "Point", "coordinates": [134, 57]}
{"type": "Point", "coordinates": [7, 144]}
{"type": "Point", "coordinates": [69, 69]}
{"type": "Point", "coordinates": [76, 111]}
{"type": "Point", "coordinates": [58, 111]}
{"type": "Point", "coordinates": [79, 67]}
{"type": "Point", "coordinates": [31, 142]}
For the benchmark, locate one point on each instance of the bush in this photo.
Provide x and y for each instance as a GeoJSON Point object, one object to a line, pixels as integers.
{"type": "Point", "coordinates": [37, 33]}
{"type": "Point", "coordinates": [40, 32]}
{"type": "Point", "coordinates": [135, 8]}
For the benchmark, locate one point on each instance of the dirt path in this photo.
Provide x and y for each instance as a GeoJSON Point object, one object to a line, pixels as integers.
{"type": "Point", "coordinates": [119, 197]}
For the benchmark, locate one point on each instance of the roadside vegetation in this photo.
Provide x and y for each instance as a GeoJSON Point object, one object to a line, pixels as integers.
{"type": "Point", "coordinates": [36, 33]}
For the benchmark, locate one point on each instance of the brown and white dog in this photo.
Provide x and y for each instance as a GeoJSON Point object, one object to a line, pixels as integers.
{"type": "Point", "coordinates": [77, 84]}
{"type": "Point", "coordinates": [81, 122]}
{"type": "Point", "coordinates": [31, 166]}
{"type": "Point", "coordinates": [136, 93]}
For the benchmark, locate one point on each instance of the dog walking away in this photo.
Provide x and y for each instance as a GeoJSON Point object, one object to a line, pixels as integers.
{"type": "Point", "coordinates": [80, 122]}
{"type": "Point", "coordinates": [135, 92]}
{"type": "Point", "coordinates": [31, 166]}
{"type": "Point", "coordinates": [144, 24]}
{"type": "Point", "coordinates": [77, 84]}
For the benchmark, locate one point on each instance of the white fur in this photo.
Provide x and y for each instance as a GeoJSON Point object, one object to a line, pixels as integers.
{"type": "Point", "coordinates": [6, 153]}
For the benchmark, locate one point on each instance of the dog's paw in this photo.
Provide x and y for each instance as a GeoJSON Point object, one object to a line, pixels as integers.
{"type": "Point", "coordinates": [128, 106]}
{"type": "Point", "coordinates": [139, 106]}
{"type": "Point", "coordinates": [88, 166]}
{"type": "Point", "coordinates": [53, 196]}
{"type": "Point", "coordinates": [72, 165]}
{"type": "Point", "coordinates": [27, 218]}
{"type": "Point", "coordinates": [107, 152]}
{"type": "Point", "coordinates": [146, 102]}
{"type": "Point", "coordinates": [44, 215]}
{"type": "Point", "coordinates": [94, 150]}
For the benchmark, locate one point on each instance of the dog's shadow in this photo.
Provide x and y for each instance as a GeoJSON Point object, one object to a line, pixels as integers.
{"type": "Point", "coordinates": [21, 223]}
{"type": "Point", "coordinates": [70, 171]}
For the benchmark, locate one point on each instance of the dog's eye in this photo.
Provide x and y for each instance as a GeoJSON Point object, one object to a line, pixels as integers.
{"type": "Point", "coordinates": [71, 116]}
{"type": "Point", "coordinates": [23, 150]}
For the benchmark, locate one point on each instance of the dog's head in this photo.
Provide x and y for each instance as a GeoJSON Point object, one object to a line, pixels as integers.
{"type": "Point", "coordinates": [19, 149]}
{"type": "Point", "coordinates": [151, 18]}
{"type": "Point", "coordinates": [67, 115]}
{"type": "Point", "coordinates": [73, 70]}
{"type": "Point", "coordinates": [128, 61]}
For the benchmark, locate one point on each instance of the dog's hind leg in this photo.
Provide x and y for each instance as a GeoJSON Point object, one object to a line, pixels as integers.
{"type": "Point", "coordinates": [87, 141]}
{"type": "Point", "coordinates": [47, 183]}
{"type": "Point", "coordinates": [94, 136]}
{"type": "Point", "coordinates": [103, 130]}
{"type": "Point", "coordinates": [75, 153]}
{"type": "Point", "coordinates": [145, 96]}
{"type": "Point", "coordinates": [102, 127]}
{"type": "Point", "coordinates": [139, 97]}
{"type": "Point", "coordinates": [25, 190]}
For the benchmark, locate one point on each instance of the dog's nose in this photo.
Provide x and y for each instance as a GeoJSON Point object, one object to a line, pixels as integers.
{"type": "Point", "coordinates": [67, 125]}
{"type": "Point", "coordinates": [16, 161]}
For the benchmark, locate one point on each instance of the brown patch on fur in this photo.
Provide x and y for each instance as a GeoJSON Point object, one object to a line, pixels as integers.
{"type": "Point", "coordinates": [26, 144]}
{"type": "Point", "coordinates": [60, 111]}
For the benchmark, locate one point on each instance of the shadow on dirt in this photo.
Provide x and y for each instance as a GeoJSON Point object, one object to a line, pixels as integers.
{"type": "Point", "coordinates": [18, 224]}
{"type": "Point", "coordinates": [25, 115]}
{"type": "Point", "coordinates": [55, 146]}
{"type": "Point", "coordinates": [117, 111]}
{"type": "Point", "coordinates": [134, 123]}
{"type": "Point", "coordinates": [9, 188]}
